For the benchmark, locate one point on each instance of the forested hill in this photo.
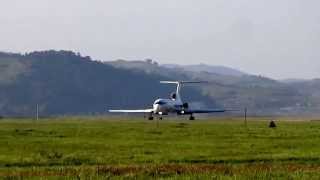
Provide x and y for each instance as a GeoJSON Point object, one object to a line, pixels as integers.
{"type": "Point", "coordinates": [65, 83]}
{"type": "Point", "coordinates": [232, 88]}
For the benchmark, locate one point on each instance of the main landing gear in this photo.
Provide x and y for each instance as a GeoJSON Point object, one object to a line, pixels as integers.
{"type": "Point", "coordinates": [152, 118]}
{"type": "Point", "coordinates": [191, 118]}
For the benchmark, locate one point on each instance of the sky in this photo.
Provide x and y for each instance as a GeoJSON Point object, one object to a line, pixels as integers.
{"type": "Point", "coordinates": [275, 38]}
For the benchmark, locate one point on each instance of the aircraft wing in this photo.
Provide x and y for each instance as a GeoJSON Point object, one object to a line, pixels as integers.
{"type": "Point", "coordinates": [132, 111]}
{"type": "Point", "coordinates": [192, 111]}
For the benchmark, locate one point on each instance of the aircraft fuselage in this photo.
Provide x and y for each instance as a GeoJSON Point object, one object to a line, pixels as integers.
{"type": "Point", "coordinates": [166, 106]}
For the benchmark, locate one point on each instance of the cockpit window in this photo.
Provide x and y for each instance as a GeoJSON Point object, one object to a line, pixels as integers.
{"type": "Point", "coordinates": [160, 102]}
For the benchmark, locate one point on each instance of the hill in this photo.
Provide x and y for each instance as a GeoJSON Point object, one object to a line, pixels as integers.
{"type": "Point", "coordinates": [63, 82]}
{"type": "Point", "coordinates": [220, 70]}
{"type": "Point", "coordinates": [233, 88]}
{"type": "Point", "coordinates": [66, 83]}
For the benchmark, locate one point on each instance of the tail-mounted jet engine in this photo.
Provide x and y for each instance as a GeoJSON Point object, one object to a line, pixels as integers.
{"type": "Point", "coordinates": [185, 105]}
{"type": "Point", "coordinates": [173, 96]}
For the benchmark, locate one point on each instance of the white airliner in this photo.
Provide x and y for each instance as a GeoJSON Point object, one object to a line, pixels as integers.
{"type": "Point", "coordinates": [174, 105]}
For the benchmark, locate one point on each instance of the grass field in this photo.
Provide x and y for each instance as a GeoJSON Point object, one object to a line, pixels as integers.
{"type": "Point", "coordinates": [175, 149]}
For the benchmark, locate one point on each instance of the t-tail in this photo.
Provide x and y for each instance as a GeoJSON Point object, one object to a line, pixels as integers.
{"type": "Point", "coordinates": [179, 85]}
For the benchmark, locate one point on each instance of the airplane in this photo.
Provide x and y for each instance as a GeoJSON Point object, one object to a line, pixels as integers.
{"type": "Point", "coordinates": [174, 105]}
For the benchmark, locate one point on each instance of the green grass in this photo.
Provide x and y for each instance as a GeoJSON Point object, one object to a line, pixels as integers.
{"type": "Point", "coordinates": [176, 149]}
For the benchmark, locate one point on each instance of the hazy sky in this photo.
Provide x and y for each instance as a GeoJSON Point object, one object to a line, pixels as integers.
{"type": "Point", "coordinates": [276, 38]}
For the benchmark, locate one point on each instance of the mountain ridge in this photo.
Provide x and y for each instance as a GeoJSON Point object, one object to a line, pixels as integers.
{"type": "Point", "coordinates": [221, 70]}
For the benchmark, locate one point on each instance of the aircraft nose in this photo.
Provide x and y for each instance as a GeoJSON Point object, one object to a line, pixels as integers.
{"type": "Point", "coordinates": [156, 107]}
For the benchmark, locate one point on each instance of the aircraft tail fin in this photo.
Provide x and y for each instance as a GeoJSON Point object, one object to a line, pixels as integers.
{"type": "Point", "coordinates": [179, 84]}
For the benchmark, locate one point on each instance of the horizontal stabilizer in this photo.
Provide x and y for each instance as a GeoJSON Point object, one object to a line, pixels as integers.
{"type": "Point", "coordinates": [182, 82]}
